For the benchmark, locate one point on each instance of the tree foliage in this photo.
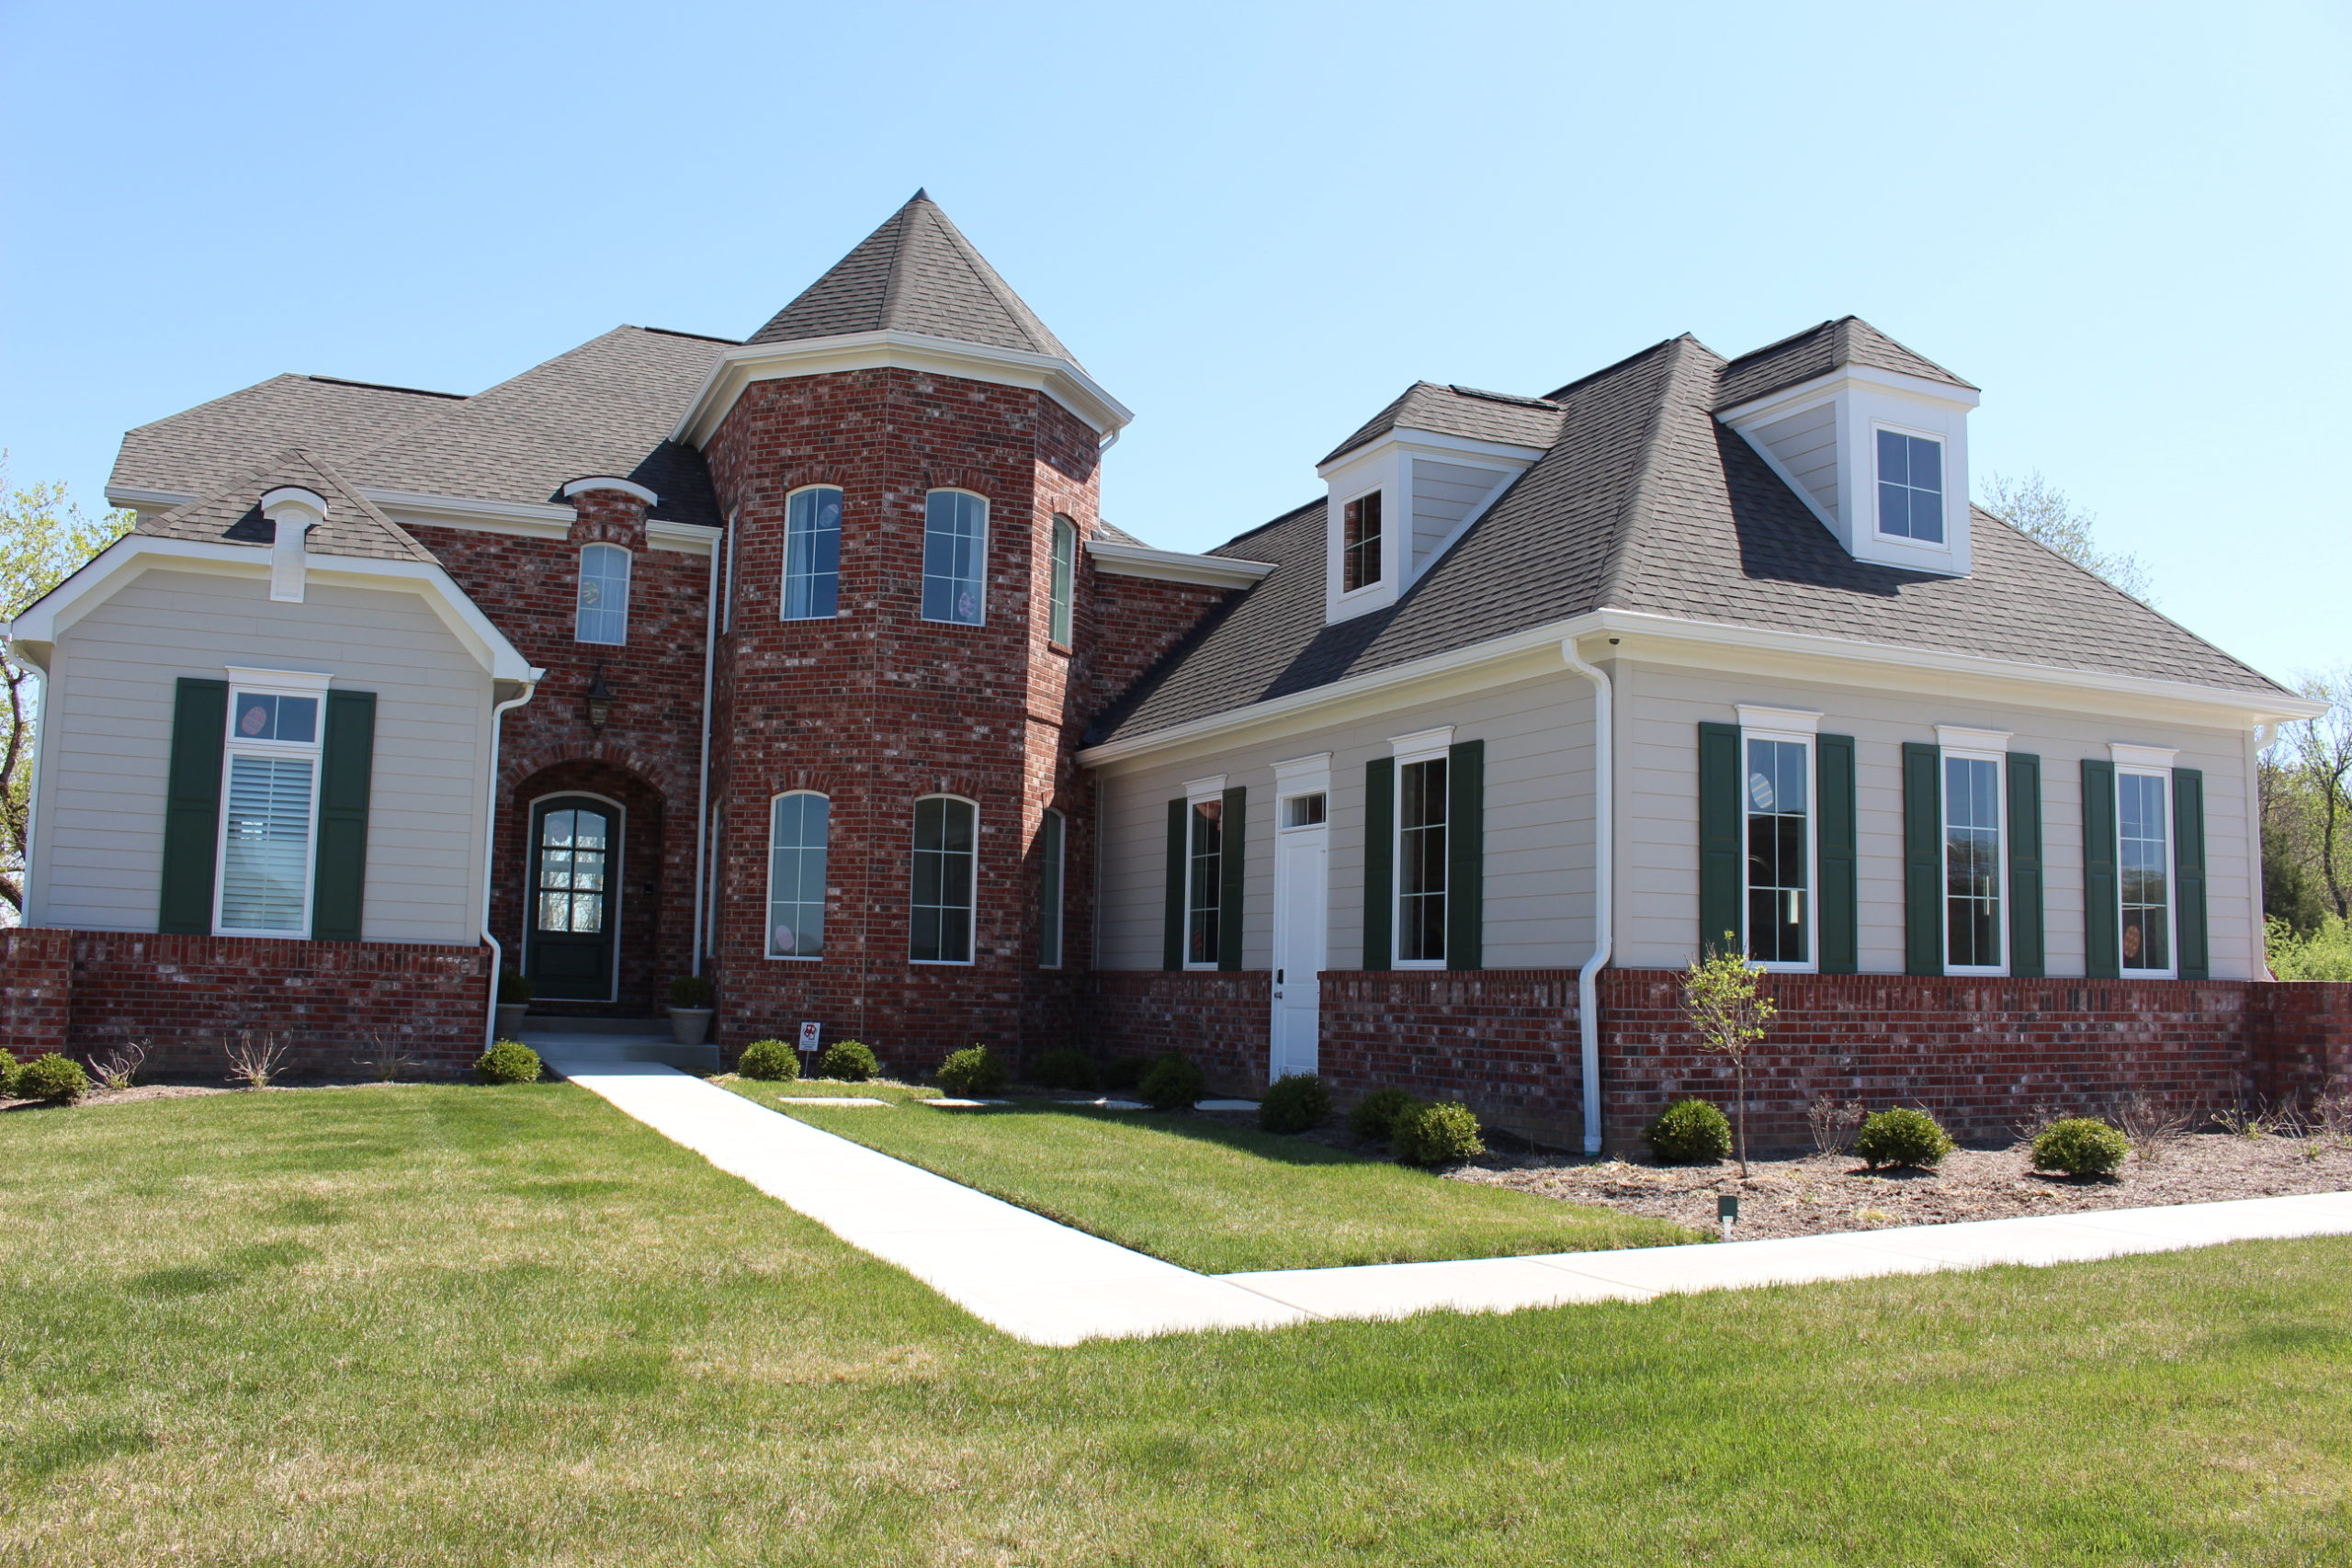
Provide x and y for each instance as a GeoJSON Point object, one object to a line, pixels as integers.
{"type": "Point", "coordinates": [1724, 1001]}
{"type": "Point", "coordinates": [44, 539]}
{"type": "Point", "coordinates": [2041, 510]}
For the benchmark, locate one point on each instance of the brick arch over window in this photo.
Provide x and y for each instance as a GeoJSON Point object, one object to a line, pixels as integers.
{"type": "Point", "coordinates": [801, 476]}
{"type": "Point", "coordinates": [667, 781]}
{"type": "Point", "coordinates": [940, 476]}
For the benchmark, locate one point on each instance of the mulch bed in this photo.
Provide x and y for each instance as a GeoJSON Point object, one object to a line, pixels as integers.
{"type": "Point", "coordinates": [1817, 1193]}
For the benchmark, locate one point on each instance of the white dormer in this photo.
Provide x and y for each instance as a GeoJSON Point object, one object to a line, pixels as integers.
{"type": "Point", "coordinates": [1880, 456]}
{"type": "Point", "coordinates": [1397, 503]}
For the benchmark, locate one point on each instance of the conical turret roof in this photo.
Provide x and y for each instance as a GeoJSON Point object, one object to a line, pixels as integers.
{"type": "Point", "coordinates": [915, 274]}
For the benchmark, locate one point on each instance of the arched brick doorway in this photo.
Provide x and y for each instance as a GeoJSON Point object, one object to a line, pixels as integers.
{"type": "Point", "coordinates": [591, 899]}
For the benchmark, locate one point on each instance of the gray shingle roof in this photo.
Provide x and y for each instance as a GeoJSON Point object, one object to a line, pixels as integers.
{"type": "Point", "coordinates": [1645, 503]}
{"type": "Point", "coordinates": [915, 274]}
{"type": "Point", "coordinates": [198, 450]}
{"type": "Point", "coordinates": [231, 515]}
{"type": "Point", "coordinates": [1465, 411]}
{"type": "Point", "coordinates": [1848, 340]}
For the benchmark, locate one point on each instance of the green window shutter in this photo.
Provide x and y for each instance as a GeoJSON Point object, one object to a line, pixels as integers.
{"type": "Point", "coordinates": [192, 806]}
{"type": "Point", "coordinates": [2025, 865]}
{"type": "Point", "coordinates": [1466, 855]}
{"type": "Point", "coordinates": [1171, 947]}
{"type": "Point", "coordinates": [1723, 860]}
{"type": "Point", "coordinates": [1234, 843]}
{"type": "Point", "coordinates": [346, 764]}
{"type": "Point", "coordinates": [1923, 859]}
{"type": "Point", "coordinates": [1833, 765]}
{"type": "Point", "coordinates": [2189, 871]}
{"type": "Point", "coordinates": [2102, 911]}
{"type": "Point", "coordinates": [1379, 859]}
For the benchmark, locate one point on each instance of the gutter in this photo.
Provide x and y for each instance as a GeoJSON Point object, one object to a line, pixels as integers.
{"type": "Point", "coordinates": [1604, 855]}
{"type": "Point", "coordinates": [702, 775]}
{"type": "Point", "coordinates": [488, 852]}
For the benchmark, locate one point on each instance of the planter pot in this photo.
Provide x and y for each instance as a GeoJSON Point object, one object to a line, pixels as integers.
{"type": "Point", "coordinates": [688, 1025]}
{"type": "Point", "coordinates": [510, 1018]}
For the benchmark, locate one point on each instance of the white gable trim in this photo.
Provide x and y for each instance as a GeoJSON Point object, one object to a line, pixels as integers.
{"type": "Point", "coordinates": [1174, 566]}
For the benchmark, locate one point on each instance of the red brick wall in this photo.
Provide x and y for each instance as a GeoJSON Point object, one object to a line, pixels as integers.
{"type": "Point", "coordinates": [2307, 1029]}
{"type": "Point", "coordinates": [1502, 1041]}
{"type": "Point", "coordinates": [341, 1002]}
{"type": "Point", "coordinates": [1220, 1019]}
{"type": "Point", "coordinates": [1130, 622]}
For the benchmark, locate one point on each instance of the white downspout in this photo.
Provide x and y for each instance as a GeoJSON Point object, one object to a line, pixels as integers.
{"type": "Point", "coordinates": [1604, 850]}
{"type": "Point", "coordinates": [702, 785]}
{"type": "Point", "coordinates": [490, 854]}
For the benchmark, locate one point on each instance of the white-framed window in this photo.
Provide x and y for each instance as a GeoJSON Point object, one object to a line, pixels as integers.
{"type": "Point", "coordinates": [946, 860]}
{"type": "Point", "coordinates": [603, 614]}
{"type": "Point", "coordinates": [812, 553]}
{"type": "Point", "coordinates": [1063, 580]}
{"type": "Point", "coordinates": [2143, 870]}
{"type": "Point", "coordinates": [1423, 793]}
{"type": "Point", "coordinates": [1204, 870]}
{"type": "Point", "coordinates": [954, 557]}
{"type": "Point", "coordinates": [1360, 542]}
{"type": "Point", "coordinates": [1052, 851]}
{"type": "Point", "coordinates": [1776, 798]}
{"type": "Point", "coordinates": [269, 804]}
{"type": "Point", "coordinates": [1910, 486]}
{"type": "Point", "coordinates": [1311, 809]}
{"type": "Point", "coordinates": [1975, 841]}
{"type": "Point", "coordinates": [800, 823]}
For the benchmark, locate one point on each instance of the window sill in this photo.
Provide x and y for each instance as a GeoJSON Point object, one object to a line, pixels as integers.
{"type": "Point", "coordinates": [944, 963]}
{"type": "Point", "coordinates": [1061, 648]}
{"type": "Point", "coordinates": [795, 958]}
{"type": "Point", "coordinates": [1421, 964]}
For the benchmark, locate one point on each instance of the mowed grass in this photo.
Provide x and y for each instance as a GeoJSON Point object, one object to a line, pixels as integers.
{"type": "Point", "coordinates": [1218, 1198]}
{"type": "Point", "coordinates": [440, 1325]}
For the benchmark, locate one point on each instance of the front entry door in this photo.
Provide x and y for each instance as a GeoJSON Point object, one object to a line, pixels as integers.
{"type": "Point", "coordinates": [1300, 896]}
{"type": "Point", "coordinates": [575, 899]}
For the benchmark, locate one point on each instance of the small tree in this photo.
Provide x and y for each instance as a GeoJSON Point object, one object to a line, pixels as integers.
{"type": "Point", "coordinates": [1728, 1015]}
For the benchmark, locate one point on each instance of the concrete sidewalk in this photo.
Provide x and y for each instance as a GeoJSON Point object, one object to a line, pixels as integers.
{"type": "Point", "coordinates": [1049, 1284]}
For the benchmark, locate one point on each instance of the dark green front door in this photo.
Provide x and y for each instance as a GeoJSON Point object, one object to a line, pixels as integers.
{"type": "Point", "coordinates": [575, 866]}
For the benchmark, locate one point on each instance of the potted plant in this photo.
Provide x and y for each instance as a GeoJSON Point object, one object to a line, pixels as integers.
{"type": "Point", "coordinates": [514, 1001]}
{"type": "Point", "coordinates": [690, 1009]}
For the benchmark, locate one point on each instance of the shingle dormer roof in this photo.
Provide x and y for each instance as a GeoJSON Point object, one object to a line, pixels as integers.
{"type": "Point", "coordinates": [915, 274]}
{"type": "Point", "coordinates": [1817, 351]}
{"type": "Point", "coordinates": [1465, 411]}
{"type": "Point", "coordinates": [231, 515]}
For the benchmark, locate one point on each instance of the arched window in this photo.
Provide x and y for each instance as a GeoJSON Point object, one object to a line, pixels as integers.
{"type": "Point", "coordinates": [954, 555]}
{"type": "Point", "coordinates": [603, 595]}
{"type": "Point", "coordinates": [1065, 572]}
{"type": "Point", "coordinates": [812, 553]}
{"type": "Point", "coordinates": [797, 824]}
{"type": "Point", "coordinates": [947, 852]}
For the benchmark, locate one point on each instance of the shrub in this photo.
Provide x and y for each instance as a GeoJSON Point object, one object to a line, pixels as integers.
{"type": "Point", "coordinates": [2080, 1146]}
{"type": "Point", "coordinates": [8, 1071]}
{"type": "Point", "coordinates": [1374, 1116]}
{"type": "Point", "coordinates": [1437, 1133]}
{"type": "Point", "coordinates": [1688, 1132]}
{"type": "Point", "coordinates": [690, 991]}
{"type": "Point", "coordinates": [850, 1061]}
{"type": "Point", "coordinates": [1065, 1068]}
{"type": "Point", "coordinates": [1293, 1103]}
{"type": "Point", "coordinates": [508, 1061]}
{"type": "Point", "coordinates": [57, 1080]}
{"type": "Point", "coordinates": [1124, 1073]}
{"type": "Point", "coordinates": [512, 989]}
{"type": "Point", "coordinates": [1172, 1083]}
{"type": "Point", "coordinates": [770, 1060]}
{"type": "Point", "coordinates": [974, 1071]}
{"type": "Point", "coordinates": [1903, 1136]}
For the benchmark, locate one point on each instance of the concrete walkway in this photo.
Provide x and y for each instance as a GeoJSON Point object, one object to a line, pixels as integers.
{"type": "Point", "coordinates": [1049, 1284]}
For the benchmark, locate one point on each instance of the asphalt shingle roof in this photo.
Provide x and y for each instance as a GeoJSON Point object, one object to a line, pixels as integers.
{"type": "Point", "coordinates": [198, 450]}
{"type": "Point", "coordinates": [915, 274]}
{"type": "Point", "coordinates": [231, 515]}
{"type": "Point", "coordinates": [1645, 502]}
{"type": "Point", "coordinates": [1462, 410]}
{"type": "Point", "coordinates": [1817, 351]}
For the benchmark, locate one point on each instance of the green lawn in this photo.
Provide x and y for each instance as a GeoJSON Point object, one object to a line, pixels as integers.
{"type": "Point", "coordinates": [1219, 1198]}
{"type": "Point", "coordinates": [429, 1325]}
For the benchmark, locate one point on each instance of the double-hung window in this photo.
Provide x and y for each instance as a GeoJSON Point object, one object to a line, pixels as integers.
{"type": "Point", "coordinates": [812, 553]}
{"type": "Point", "coordinates": [603, 611]}
{"type": "Point", "coordinates": [1052, 850]}
{"type": "Point", "coordinates": [1204, 874]}
{"type": "Point", "coordinates": [1910, 487]}
{"type": "Point", "coordinates": [1973, 842]}
{"type": "Point", "coordinates": [270, 800]}
{"type": "Point", "coordinates": [1424, 824]}
{"type": "Point", "coordinates": [946, 857]}
{"type": "Point", "coordinates": [1063, 578]}
{"type": "Point", "coordinates": [1777, 799]}
{"type": "Point", "coordinates": [798, 828]}
{"type": "Point", "coordinates": [1360, 543]}
{"type": "Point", "coordinates": [2144, 868]}
{"type": "Point", "coordinates": [954, 557]}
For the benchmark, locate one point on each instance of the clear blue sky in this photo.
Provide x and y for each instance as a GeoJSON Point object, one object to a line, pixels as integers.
{"type": "Point", "coordinates": [1254, 223]}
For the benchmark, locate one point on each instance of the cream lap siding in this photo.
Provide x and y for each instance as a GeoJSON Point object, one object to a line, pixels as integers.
{"type": "Point", "coordinates": [100, 854]}
{"type": "Point", "coordinates": [1538, 827]}
{"type": "Point", "coordinates": [1443, 494]}
{"type": "Point", "coordinates": [1664, 707]}
{"type": "Point", "coordinates": [1806, 445]}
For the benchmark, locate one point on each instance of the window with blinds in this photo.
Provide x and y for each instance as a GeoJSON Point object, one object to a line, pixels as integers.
{"type": "Point", "coordinates": [266, 845]}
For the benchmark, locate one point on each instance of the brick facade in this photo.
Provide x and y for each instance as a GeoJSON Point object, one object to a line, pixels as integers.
{"type": "Point", "coordinates": [1502, 1041]}
{"type": "Point", "coordinates": [36, 991]}
{"type": "Point", "coordinates": [1218, 1018]}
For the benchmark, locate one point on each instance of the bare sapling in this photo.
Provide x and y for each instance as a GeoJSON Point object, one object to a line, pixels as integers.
{"type": "Point", "coordinates": [255, 1057]}
{"type": "Point", "coordinates": [119, 1068]}
{"type": "Point", "coordinates": [1834, 1124]}
{"type": "Point", "coordinates": [1728, 1013]}
{"type": "Point", "coordinates": [2151, 1127]}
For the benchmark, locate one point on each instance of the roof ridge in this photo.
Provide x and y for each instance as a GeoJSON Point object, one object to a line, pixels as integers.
{"type": "Point", "coordinates": [894, 275]}
{"type": "Point", "coordinates": [1635, 504]}
{"type": "Point", "coordinates": [384, 387]}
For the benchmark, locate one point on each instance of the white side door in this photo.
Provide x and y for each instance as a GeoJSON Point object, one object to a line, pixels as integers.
{"type": "Point", "coordinates": [1301, 898]}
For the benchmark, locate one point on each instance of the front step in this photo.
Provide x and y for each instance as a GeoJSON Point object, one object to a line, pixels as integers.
{"type": "Point", "coordinates": [556, 1023]}
{"type": "Point", "coordinates": [608, 1044]}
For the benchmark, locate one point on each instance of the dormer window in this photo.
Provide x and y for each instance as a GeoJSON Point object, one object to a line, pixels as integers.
{"type": "Point", "coordinates": [1360, 543]}
{"type": "Point", "coordinates": [1910, 487]}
